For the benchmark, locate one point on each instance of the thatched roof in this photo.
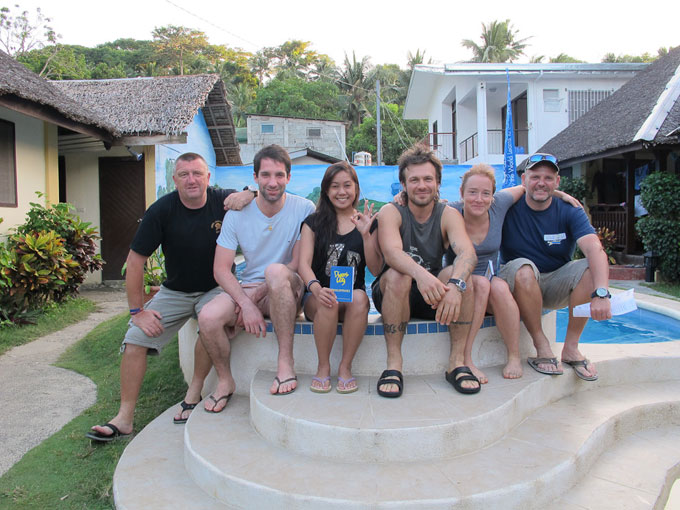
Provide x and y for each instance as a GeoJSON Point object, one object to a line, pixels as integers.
{"type": "Point", "coordinates": [25, 91]}
{"type": "Point", "coordinates": [641, 113]}
{"type": "Point", "coordinates": [161, 106]}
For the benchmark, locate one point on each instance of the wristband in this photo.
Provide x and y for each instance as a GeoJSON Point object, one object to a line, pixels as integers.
{"type": "Point", "coordinates": [310, 282]}
{"type": "Point", "coordinates": [135, 311]}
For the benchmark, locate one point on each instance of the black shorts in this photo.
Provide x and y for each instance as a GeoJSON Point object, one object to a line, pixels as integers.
{"type": "Point", "coordinates": [419, 309]}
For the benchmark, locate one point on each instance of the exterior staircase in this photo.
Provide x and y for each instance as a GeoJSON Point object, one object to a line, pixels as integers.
{"type": "Point", "coordinates": [535, 442]}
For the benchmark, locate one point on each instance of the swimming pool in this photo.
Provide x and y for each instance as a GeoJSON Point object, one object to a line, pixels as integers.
{"type": "Point", "coordinates": [638, 327]}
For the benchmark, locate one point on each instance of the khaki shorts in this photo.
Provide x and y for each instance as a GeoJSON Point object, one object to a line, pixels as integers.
{"type": "Point", "coordinates": [555, 286]}
{"type": "Point", "coordinates": [175, 308]}
{"type": "Point", "coordinates": [263, 304]}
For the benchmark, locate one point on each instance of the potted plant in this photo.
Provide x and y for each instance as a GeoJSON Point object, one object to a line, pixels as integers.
{"type": "Point", "coordinates": [154, 274]}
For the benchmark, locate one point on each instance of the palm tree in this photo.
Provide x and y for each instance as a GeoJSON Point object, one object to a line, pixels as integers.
{"type": "Point", "coordinates": [500, 43]}
{"type": "Point", "coordinates": [354, 83]}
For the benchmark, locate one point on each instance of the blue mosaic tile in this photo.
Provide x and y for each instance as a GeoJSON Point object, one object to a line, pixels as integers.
{"type": "Point", "coordinates": [379, 329]}
{"type": "Point", "coordinates": [442, 328]}
{"type": "Point", "coordinates": [338, 330]}
{"type": "Point", "coordinates": [297, 329]}
{"type": "Point", "coordinates": [270, 328]}
{"type": "Point", "coordinates": [432, 327]}
{"type": "Point", "coordinates": [422, 327]}
{"type": "Point", "coordinates": [411, 329]}
{"type": "Point", "coordinates": [370, 330]}
{"type": "Point", "coordinates": [306, 329]}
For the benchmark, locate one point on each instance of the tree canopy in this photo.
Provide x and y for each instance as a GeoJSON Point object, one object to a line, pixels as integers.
{"type": "Point", "coordinates": [499, 43]}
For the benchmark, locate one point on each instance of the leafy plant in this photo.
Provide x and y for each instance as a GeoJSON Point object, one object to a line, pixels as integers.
{"type": "Point", "coordinates": [154, 270]}
{"type": "Point", "coordinates": [575, 186]}
{"type": "Point", "coordinates": [79, 239]}
{"type": "Point", "coordinates": [660, 230]}
{"type": "Point", "coordinates": [35, 267]}
{"type": "Point", "coordinates": [607, 239]}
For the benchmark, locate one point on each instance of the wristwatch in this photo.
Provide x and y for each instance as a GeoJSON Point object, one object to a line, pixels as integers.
{"type": "Point", "coordinates": [601, 292]}
{"type": "Point", "coordinates": [460, 284]}
{"type": "Point", "coordinates": [253, 189]}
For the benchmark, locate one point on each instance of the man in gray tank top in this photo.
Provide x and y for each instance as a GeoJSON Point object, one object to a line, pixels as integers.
{"type": "Point", "coordinates": [413, 239]}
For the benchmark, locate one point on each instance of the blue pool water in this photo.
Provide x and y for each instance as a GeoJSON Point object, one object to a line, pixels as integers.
{"type": "Point", "coordinates": [637, 327]}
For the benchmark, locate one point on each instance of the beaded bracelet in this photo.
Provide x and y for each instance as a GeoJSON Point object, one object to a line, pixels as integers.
{"type": "Point", "coordinates": [309, 284]}
{"type": "Point", "coordinates": [135, 311]}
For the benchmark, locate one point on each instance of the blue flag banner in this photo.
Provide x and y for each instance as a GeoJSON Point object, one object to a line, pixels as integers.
{"type": "Point", "coordinates": [509, 161]}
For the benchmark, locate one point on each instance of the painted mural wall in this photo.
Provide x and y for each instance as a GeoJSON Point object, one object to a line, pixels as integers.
{"type": "Point", "coordinates": [378, 183]}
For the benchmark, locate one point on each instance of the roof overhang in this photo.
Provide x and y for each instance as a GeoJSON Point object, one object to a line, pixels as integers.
{"type": "Point", "coordinates": [53, 116]}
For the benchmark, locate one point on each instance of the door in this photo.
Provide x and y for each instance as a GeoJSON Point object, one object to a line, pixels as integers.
{"type": "Point", "coordinates": [121, 207]}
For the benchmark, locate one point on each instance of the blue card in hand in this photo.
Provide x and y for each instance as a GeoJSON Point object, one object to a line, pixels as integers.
{"type": "Point", "coordinates": [342, 283]}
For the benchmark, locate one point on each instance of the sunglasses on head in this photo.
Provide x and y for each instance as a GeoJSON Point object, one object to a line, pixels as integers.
{"type": "Point", "coordinates": [543, 157]}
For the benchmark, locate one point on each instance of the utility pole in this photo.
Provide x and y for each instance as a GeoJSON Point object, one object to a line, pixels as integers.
{"type": "Point", "coordinates": [377, 116]}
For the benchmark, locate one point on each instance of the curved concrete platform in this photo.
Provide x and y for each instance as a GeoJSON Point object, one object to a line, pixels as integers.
{"type": "Point", "coordinates": [534, 464]}
{"type": "Point", "coordinates": [425, 348]}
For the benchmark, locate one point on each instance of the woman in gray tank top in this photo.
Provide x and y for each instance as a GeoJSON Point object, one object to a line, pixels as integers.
{"type": "Point", "coordinates": [483, 209]}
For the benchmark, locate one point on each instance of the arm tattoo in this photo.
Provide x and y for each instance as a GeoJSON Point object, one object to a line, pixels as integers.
{"type": "Point", "coordinates": [393, 328]}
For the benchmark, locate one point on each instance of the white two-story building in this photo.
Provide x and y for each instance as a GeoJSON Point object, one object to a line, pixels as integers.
{"type": "Point", "coordinates": [465, 104]}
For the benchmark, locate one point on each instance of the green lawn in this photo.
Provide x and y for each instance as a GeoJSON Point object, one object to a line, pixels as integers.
{"type": "Point", "coordinates": [54, 318]}
{"type": "Point", "coordinates": [68, 472]}
{"type": "Point", "coordinates": [672, 289]}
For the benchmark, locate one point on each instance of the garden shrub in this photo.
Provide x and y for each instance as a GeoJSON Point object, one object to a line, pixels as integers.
{"type": "Point", "coordinates": [79, 240]}
{"type": "Point", "coordinates": [575, 186]}
{"type": "Point", "coordinates": [660, 230]}
{"type": "Point", "coordinates": [35, 269]}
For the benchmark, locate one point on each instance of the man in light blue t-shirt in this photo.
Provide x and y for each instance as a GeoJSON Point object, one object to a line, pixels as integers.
{"type": "Point", "coordinates": [267, 231]}
{"type": "Point", "coordinates": [539, 237]}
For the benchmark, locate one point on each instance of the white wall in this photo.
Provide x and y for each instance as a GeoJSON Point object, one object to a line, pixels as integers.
{"type": "Point", "coordinates": [30, 166]}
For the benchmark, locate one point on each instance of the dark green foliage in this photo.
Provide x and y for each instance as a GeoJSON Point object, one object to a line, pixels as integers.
{"type": "Point", "coordinates": [397, 134]}
{"type": "Point", "coordinates": [79, 238]}
{"type": "Point", "coordinates": [659, 193]}
{"type": "Point", "coordinates": [660, 230]}
{"type": "Point", "coordinates": [575, 186]}
{"type": "Point", "coordinates": [38, 268]}
{"type": "Point", "coordinates": [46, 260]}
{"type": "Point", "coordinates": [662, 235]}
{"type": "Point", "coordinates": [295, 97]}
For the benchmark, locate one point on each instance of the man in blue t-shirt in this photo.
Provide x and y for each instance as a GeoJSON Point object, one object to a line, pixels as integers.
{"type": "Point", "coordinates": [539, 238]}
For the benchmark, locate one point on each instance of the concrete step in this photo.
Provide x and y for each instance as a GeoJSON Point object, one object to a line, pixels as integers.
{"type": "Point", "coordinates": [151, 476]}
{"type": "Point", "coordinates": [534, 463]}
{"type": "Point", "coordinates": [429, 421]}
{"type": "Point", "coordinates": [638, 472]}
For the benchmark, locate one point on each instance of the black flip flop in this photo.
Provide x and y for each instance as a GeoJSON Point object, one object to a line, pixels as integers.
{"type": "Point", "coordinates": [383, 381]}
{"type": "Point", "coordinates": [456, 382]}
{"type": "Point", "coordinates": [185, 407]}
{"type": "Point", "coordinates": [217, 401]}
{"type": "Point", "coordinates": [101, 438]}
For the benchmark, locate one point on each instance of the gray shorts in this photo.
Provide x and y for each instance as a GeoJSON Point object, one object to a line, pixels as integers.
{"type": "Point", "coordinates": [555, 286]}
{"type": "Point", "coordinates": [175, 308]}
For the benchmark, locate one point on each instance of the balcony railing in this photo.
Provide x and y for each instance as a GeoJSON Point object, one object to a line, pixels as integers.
{"type": "Point", "coordinates": [469, 148]}
{"type": "Point", "coordinates": [443, 144]}
{"type": "Point", "coordinates": [612, 216]}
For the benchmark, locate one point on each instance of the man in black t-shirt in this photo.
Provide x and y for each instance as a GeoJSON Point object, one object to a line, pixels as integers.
{"type": "Point", "coordinates": [185, 223]}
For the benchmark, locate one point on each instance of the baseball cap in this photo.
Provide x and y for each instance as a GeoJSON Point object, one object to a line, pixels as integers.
{"type": "Point", "coordinates": [538, 158]}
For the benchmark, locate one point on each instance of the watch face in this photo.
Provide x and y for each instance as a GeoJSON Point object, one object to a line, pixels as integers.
{"type": "Point", "coordinates": [601, 292]}
{"type": "Point", "coordinates": [462, 285]}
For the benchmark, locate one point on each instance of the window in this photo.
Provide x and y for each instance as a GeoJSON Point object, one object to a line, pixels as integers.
{"type": "Point", "coordinates": [581, 101]}
{"type": "Point", "coordinates": [551, 100]}
{"type": "Point", "coordinates": [313, 132]}
{"type": "Point", "coordinates": [8, 172]}
{"type": "Point", "coordinates": [266, 129]}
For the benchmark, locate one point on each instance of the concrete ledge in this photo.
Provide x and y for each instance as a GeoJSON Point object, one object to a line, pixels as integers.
{"type": "Point", "coordinates": [426, 349]}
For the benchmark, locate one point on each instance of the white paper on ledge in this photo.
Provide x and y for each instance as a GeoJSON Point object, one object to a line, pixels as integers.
{"type": "Point", "coordinates": [622, 302]}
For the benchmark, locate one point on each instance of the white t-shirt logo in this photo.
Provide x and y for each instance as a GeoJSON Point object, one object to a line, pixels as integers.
{"type": "Point", "coordinates": [551, 239]}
